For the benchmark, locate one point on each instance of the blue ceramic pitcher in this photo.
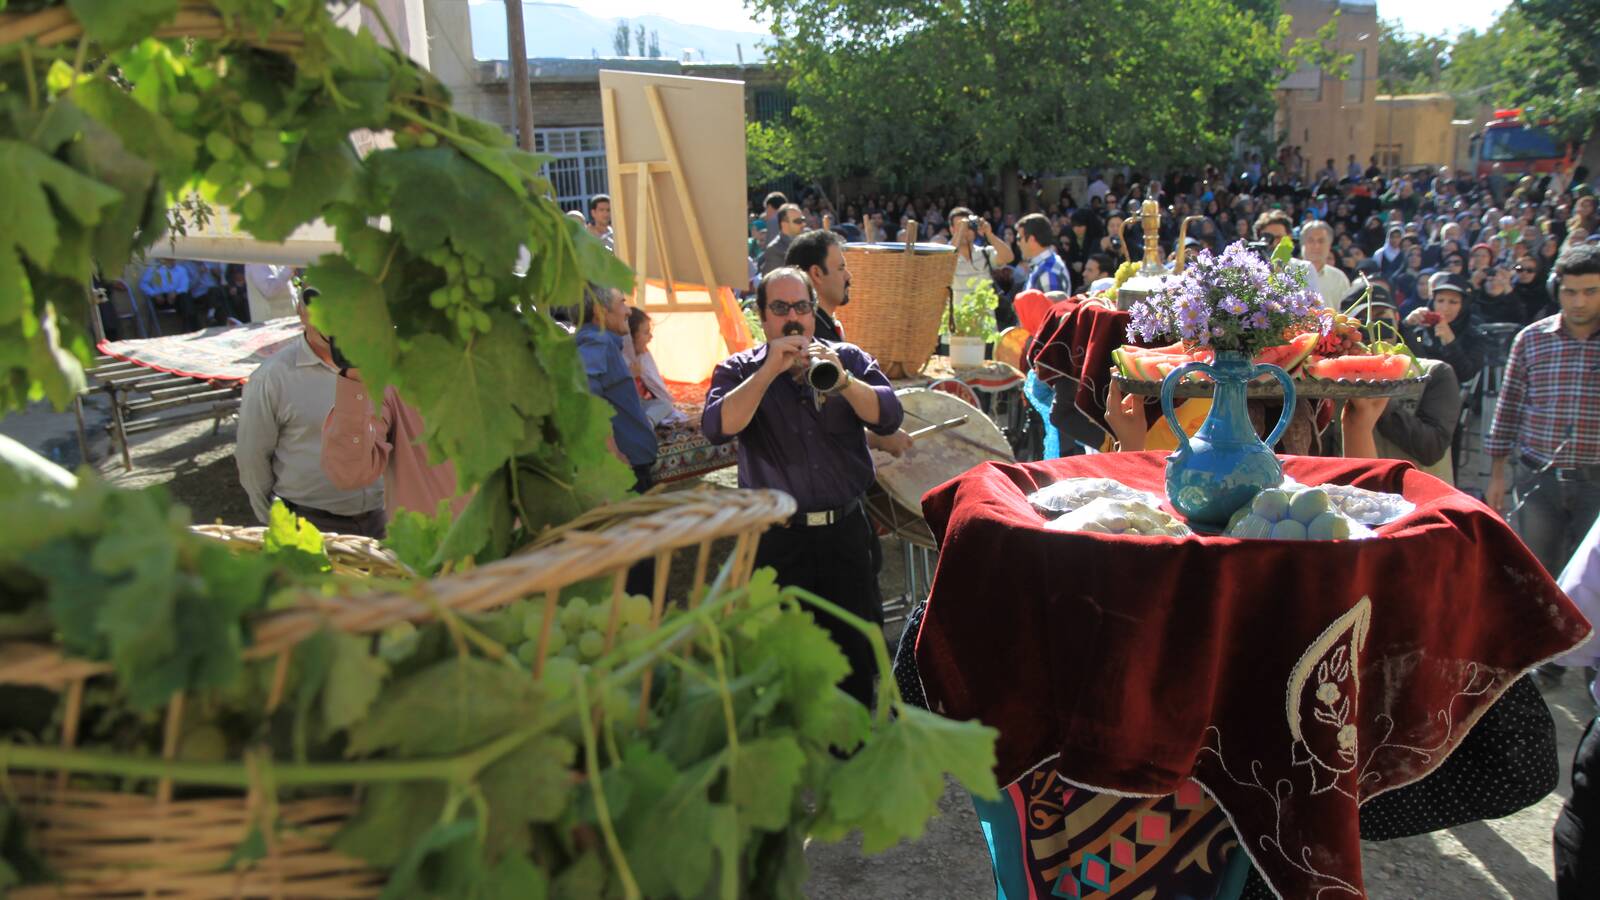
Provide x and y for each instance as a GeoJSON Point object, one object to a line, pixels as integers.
{"type": "Point", "coordinates": [1222, 467]}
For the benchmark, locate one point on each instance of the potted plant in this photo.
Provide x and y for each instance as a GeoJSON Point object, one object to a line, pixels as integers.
{"type": "Point", "coordinates": [972, 323]}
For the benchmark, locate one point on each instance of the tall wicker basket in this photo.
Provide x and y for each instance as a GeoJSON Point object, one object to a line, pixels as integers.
{"type": "Point", "coordinates": [899, 295]}
{"type": "Point", "coordinates": [153, 844]}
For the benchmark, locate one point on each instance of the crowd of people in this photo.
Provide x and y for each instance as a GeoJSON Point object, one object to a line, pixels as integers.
{"type": "Point", "coordinates": [1499, 246]}
{"type": "Point", "coordinates": [202, 294]}
{"type": "Point", "coordinates": [1482, 281]}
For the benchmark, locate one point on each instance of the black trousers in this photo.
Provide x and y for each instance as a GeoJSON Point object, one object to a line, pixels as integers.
{"type": "Point", "coordinates": [372, 523]}
{"type": "Point", "coordinates": [838, 563]}
{"type": "Point", "coordinates": [1577, 854]}
{"type": "Point", "coordinates": [641, 578]}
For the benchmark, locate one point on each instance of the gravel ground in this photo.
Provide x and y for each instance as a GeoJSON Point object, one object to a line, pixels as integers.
{"type": "Point", "coordinates": [1507, 858]}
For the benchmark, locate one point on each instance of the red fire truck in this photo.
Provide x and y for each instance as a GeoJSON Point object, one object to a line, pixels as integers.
{"type": "Point", "coordinates": [1510, 147]}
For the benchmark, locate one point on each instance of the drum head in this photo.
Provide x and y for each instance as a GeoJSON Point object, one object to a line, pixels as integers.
{"type": "Point", "coordinates": [1009, 347]}
{"type": "Point", "coordinates": [938, 457]}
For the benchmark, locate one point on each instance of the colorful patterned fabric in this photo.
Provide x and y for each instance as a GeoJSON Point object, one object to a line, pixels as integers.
{"type": "Point", "coordinates": [682, 451]}
{"type": "Point", "coordinates": [1049, 839]}
{"type": "Point", "coordinates": [214, 354]}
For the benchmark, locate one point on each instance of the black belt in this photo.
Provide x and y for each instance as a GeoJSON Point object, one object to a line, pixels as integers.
{"type": "Point", "coordinates": [822, 517]}
{"type": "Point", "coordinates": [1588, 472]}
{"type": "Point", "coordinates": [305, 512]}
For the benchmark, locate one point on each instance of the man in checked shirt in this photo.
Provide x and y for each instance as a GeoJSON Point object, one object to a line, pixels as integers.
{"type": "Point", "coordinates": [1548, 420]}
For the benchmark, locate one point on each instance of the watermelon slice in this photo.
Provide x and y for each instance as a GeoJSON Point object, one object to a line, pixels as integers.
{"type": "Point", "coordinates": [1359, 368]}
{"type": "Point", "coordinates": [1291, 355]}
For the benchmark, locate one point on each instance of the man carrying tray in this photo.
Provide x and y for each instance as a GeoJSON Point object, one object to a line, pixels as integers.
{"type": "Point", "coordinates": [808, 442]}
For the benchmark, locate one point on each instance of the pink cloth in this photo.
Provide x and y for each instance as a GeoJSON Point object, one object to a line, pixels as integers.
{"type": "Point", "coordinates": [359, 445]}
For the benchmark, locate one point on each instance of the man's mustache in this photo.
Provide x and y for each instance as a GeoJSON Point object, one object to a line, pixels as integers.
{"type": "Point", "coordinates": [790, 329]}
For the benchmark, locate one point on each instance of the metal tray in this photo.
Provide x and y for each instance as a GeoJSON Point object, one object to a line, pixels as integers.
{"type": "Point", "coordinates": [1306, 388]}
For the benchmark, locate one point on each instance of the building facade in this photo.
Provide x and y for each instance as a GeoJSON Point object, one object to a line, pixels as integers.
{"type": "Point", "coordinates": [567, 120]}
{"type": "Point", "coordinates": [1416, 131]}
{"type": "Point", "coordinates": [1325, 116]}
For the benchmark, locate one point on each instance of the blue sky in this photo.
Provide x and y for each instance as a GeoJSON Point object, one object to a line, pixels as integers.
{"type": "Point", "coordinates": [1425, 16]}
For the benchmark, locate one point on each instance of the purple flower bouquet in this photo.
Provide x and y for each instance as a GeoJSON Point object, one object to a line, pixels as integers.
{"type": "Point", "coordinates": [1232, 303]}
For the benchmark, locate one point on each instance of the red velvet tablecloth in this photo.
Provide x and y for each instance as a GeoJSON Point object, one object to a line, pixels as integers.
{"type": "Point", "coordinates": [1293, 680]}
{"type": "Point", "coordinates": [1071, 352]}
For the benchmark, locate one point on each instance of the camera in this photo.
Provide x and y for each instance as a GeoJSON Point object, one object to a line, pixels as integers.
{"type": "Point", "coordinates": [972, 223]}
{"type": "Point", "coordinates": [1262, 249]}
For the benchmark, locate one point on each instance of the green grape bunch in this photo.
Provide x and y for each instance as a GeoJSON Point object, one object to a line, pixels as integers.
{"type": "Point", "coordinates": [467, 290]}
{"type": "Point", "coordinates": [246, 149]}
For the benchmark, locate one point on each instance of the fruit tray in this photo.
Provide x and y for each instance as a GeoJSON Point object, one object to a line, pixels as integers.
{"type": "Point", "coordinates": [1305, 388]}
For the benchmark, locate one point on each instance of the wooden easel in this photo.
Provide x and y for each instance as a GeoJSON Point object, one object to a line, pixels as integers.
{"type": "Point", "coordinates": [642, 213]}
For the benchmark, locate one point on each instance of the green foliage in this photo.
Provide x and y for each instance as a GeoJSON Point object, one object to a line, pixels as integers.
{"type": "Point", "coordinates": [1409, 63]}
{"type": "Point", "coordinates": [430, 306]}
{"type": "Point", "coordinates": [1537, 56]}
{"type": "Point", "coordinates": [770, 153]}
{"type": "Point", "coordinates": [1031, 85]}
{"type": "Point", "coordinates": [974, 311]}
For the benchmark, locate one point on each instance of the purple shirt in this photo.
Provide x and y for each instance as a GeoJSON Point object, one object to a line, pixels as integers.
{"type": "Point", "coordinates": [819, 457]}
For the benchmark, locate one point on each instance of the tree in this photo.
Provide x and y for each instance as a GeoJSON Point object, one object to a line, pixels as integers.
{"type": "Point", "coordinates": [770, 153]}
{"type": "Point", "coordinates": [1021, 84]}
{"type": "Point", "coordinates": [638, 34]}
{"type": "Point", "coordinates": [1409, 63]}
{"type": "Point", "coordinates": [1536, 57]}
{"type": "Point", "coordinates": [655, 44]}
{"type": "Point", "coordinates": [620, 40]}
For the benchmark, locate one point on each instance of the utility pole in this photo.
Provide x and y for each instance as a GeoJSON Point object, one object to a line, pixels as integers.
{"type": "Point", "coordinates": [521, 89]}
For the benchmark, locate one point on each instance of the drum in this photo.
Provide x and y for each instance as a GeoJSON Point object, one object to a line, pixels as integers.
{"type": "Point", "coordinates": [895, 501]}
{"type": "Point", "coordinates": [1010, 345]}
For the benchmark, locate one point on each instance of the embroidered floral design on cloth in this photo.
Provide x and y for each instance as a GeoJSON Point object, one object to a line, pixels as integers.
{"type": "Point", "coordinates": [1323, 711]}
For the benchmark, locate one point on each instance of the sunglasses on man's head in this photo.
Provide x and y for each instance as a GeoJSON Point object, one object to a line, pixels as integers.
{"type": "Point", "coordinates": [782, 308]}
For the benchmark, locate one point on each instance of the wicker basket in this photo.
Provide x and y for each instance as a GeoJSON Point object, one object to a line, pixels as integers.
{"type": "Point", "coordinates": [899, 298]}
{"type": "Point", "coordinates": [145, 845]}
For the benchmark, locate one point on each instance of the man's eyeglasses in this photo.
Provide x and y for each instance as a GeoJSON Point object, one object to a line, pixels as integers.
{"type": "Point", "coordinates": [1523, 269]}
{"type": "Point", "coordinates": [793, 221]}
{"type": "Point", "coordinates": [798, 307]}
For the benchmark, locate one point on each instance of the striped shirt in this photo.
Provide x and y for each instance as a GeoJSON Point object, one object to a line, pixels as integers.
{"type": "Point", "coordinates": [1046, 272]}
{"type": "Point", "coordinates": [1550, 395]}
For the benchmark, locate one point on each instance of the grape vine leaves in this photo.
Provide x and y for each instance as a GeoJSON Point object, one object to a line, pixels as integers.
{"type": "Point", "coordinates": [463, 394]}
{"type": "Point", "coordinates": [891, 787]}
{"type": "Point", "coordinates": [117, 22]}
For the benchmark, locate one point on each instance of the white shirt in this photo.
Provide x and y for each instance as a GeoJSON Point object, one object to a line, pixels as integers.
{"type": "Point", "coordinates": [968, 269]}
{"type": "Point", "coordinates": [1581, 580]}
{"type": "Point", "coordinates": [271, 292]}
{"type": "Point", "coordinates": [279, 445]}
{"type": "Point", "coordinates": [1331, 283]}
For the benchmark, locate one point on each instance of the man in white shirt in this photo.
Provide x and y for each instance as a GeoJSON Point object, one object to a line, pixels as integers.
{"type": "Point", "coordinates": [1577, 855]}
{"type": "Point", "coordinates": [973, 261]}
{"type": "Point", "coordinates": [1272, 227]}
{"type": "Point", "coordinates": [599, 223]}
{"type": "Point", "coordinates": [1316, 248]}
{"type": "Point", "coordinates": [271, 289]}
{"type": "Point", "coordinates": [279, 446]}
{"type": "Point", "coordinates": [1097, 188]}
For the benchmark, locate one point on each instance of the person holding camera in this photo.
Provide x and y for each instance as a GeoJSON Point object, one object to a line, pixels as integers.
{"type": "Point", "coordinates": [279, 444]}
{"type": "Point", "coordinates": [972, 259]}
{"type": "Point", "coordinates": [798, 406]}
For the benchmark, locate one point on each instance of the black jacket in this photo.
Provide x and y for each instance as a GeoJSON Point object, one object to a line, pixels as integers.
{"type": "Point", "coordinates": [1465, 354]}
